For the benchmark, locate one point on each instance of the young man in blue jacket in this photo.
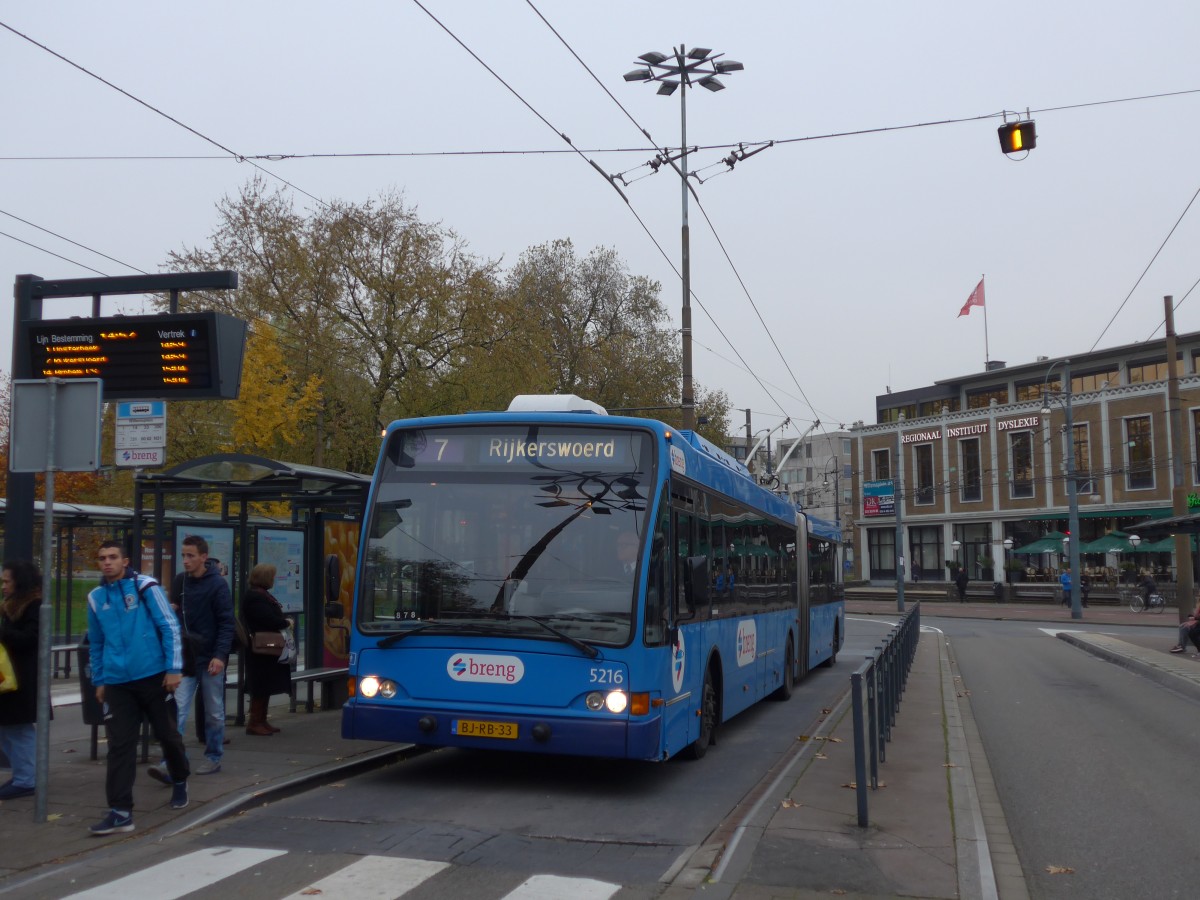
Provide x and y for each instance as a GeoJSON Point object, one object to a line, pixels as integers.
{"type": "Point", "coordinates": [136, 658]}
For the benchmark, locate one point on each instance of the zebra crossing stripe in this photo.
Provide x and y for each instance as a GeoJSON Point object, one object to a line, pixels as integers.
{"type": "Point", "coordinates": [182, 875]}
{"type": "Point", "coordinates": [554, 887]}
{"type": "Point", "coordinates": [373, 878]}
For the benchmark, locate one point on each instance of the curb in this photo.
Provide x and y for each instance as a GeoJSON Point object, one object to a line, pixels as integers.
{"type": "Point", "coordinates": [286, 787]}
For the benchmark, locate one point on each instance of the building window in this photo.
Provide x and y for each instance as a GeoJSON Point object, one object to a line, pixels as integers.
{"type": "Point", "coordinates": [923, 474]}
{"type": "Point", "coordinates": [1084, 482]}
{"type": "Point", "coordinates": [1139, 453]}
{"type": "Point", "coordinates": [970, 470]}
{"type": "Point", "coordinates": [1196, 446]}
{"type": "Point", "coordinates": [1095, 381]}
{"type": "Point", "coordinates": [1032, 390]}
{"type": "Point", "coordinates": [881, 465]}
{"type": "Point", "coordinates": [925, 550]}
{"type": "Point", "coordinates": [892, 414]}
{"type": "Point", "coordinates": [1020, 451]}
{"type": "Point", "coordinates": [983, 399]}
{"type": "Point", "coordinates": [881, 552]}
{"type": "Point", "coordinates": [808, 473]}
{"type": "Point", "coordinates": [808, 451]}
{"type": "Point", "coordinates": [1140, 373]}
{"type": "Point", "coordinates": [846, 448]}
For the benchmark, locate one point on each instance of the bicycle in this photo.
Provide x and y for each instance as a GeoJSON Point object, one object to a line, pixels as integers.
{"type": "Point", "coordinates": [1137, 602]}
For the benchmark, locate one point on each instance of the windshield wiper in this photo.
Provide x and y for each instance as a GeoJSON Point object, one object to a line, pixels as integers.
{"type": "Point", "coordinates": [586, 649]}
{"type": "Point", "coordinates": [397, 636]}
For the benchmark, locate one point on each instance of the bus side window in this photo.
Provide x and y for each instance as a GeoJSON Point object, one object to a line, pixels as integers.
{"type": "Point", "coordinates": [657, 590]}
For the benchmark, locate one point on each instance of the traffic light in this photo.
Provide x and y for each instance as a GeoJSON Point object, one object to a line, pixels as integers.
{"type": "Point", "coordinates": [1017, 136]}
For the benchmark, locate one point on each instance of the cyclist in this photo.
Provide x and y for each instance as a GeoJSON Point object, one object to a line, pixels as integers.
{"type": "Point", "coordinates": [1149, 587]}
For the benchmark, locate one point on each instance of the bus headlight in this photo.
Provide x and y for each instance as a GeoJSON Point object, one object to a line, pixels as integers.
{"type": "Point", "coordinates": [387, 689]}
{"type": "Point", "coordinates": [368, 686]}
{"type": "Point", "coordinates": [616, 701]}
{"type": "Point", "coordinates": [594, 701]}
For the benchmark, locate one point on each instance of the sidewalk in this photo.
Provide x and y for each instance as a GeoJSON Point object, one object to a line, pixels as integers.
{"type": "Point", "coordinates": [936, 827]}
{"type": "Point", "coordinates": [308, 750]}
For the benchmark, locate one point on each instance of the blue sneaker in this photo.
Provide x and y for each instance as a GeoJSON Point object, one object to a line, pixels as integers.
{"type": "Point", "coordinates": [179, 795]}
{"type": "Point", "coordinates": [113, 823]}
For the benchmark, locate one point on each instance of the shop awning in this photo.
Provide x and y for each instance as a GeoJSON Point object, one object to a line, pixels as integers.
{"type": "Point", "coordinates": [1107, 513]}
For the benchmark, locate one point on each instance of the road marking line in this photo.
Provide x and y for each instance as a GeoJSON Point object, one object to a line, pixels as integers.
{"type": "Point", "coordinates": [374, 878]}
{"type": "Point", "coordinates": [554, 887]}
{"type": "Point", "coordinates": [182, 875]}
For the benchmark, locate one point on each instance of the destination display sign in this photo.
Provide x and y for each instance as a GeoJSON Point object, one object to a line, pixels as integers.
{"type": "Point", "coordinates": [180, 356]}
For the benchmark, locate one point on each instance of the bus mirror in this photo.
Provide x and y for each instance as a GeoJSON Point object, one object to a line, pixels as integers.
{"type": "Point", "coordinates": [334, 611]}
{"type": "Point", "coordinates": [333, 580]}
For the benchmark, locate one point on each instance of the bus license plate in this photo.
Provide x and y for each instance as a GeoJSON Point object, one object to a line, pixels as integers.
{"type": "Point", "coordinates": [478, 728]}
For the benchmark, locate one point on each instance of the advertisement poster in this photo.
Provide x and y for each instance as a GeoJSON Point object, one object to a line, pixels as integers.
{"type": "Point", "coordinates": [220, 547]}
{"type": "Point", "coordinates": [284, 549]}
{"type": "Point", "coordinates": [879, 498]}
{"type": "Point", "coordinates": [341, 541]}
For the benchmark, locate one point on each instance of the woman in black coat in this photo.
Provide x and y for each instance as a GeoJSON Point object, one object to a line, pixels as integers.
{"type": "Point", "coordinates": [265, 675]}
{"type": "Point", "coordinates": [18, 709]}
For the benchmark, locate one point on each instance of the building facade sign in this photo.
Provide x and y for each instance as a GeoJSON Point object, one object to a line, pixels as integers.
{"type": "Point", "coordinates": [879, 498]}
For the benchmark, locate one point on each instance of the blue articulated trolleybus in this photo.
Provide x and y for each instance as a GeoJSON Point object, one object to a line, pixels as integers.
{"type": "Point", "coordinates": [552, 579]}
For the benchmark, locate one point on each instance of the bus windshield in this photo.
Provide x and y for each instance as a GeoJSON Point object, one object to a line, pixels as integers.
{"type": "Point", "coordinates": [508, 529]}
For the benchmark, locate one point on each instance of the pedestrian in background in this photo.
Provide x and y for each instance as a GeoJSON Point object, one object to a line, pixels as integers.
{"type": "Point", "coordinates": [22, 584]}
{"type": "Point", "coordinates": [916, 570]}
{"type": "Point", "coordinates": [207, 618]}
{"type": "Point", "coordinates": [1064, 581]}
{"type": "Point", "coordinates": [136, 657]}
{"type": "Point", "coordinates": [265, 675]}
{"type": "Point", "coordinates": [960, 581]}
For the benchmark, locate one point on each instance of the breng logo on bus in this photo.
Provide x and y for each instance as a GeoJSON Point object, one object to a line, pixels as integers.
{"type": "Point", "coordinates": [492, 669]}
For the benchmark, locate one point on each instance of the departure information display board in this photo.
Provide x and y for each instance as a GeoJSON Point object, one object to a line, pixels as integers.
{"type": "Point", "coordinates": [183, 355]}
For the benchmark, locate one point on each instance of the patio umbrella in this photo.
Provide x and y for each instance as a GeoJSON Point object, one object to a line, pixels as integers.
{"type": "Point", "coordinates": [1166, 545]}
{"type": "Point", "coordinates": [1113, 542]}
{"type": "Point", "coordinates": [1050, 543]}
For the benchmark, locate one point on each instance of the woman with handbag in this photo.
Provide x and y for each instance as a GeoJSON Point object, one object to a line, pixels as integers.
{"type": "Point", "coordinates": [267, 669]}
{"type": "Point", "coordinates": [22, 585]}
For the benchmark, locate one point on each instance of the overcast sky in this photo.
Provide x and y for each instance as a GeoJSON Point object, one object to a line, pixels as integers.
{"type": "Point", "coordinates": [856, 251]}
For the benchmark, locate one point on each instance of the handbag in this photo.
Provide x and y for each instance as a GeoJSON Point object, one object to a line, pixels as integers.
{"type": "Point", "coordinates": [8, 675]}
{"type": "Point", "coordinates": [267, 643]}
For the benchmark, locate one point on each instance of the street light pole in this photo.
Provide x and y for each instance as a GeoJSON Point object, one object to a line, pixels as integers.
{"type": "Point", "coordinates": [1072, 487]}
{"type": "Point", "coordinates": [837, 501]}
{"type": "Point", "coordinates": [670, 74]}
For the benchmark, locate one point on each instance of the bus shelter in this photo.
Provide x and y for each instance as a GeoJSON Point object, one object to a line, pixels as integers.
{"type": "Point", "coordinates": [314, 513]}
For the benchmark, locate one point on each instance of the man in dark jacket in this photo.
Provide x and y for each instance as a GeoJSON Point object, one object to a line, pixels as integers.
{"type": "Point", "coordinates": [206, 613]}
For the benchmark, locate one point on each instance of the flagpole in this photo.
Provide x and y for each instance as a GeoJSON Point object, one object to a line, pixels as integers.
{"type": "Point", "coordinates": [987, 358]}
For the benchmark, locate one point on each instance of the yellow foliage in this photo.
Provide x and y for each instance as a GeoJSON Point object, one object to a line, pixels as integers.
{"type": "Point", "coordinates": [277, 405]}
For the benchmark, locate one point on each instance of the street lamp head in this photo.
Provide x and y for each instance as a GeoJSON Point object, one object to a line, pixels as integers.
{"type": "Point", "coordinates": [710, 82]}
{"type": "Point", "coordinates": [667, 88]}
{"type": "Point", "coordinates": [653, 57]}
{"type": "Point", "coordinates": [725, 66]}
{"type": "Point", "coordinates": [956, 544]}
{"type": "Point", "coordinates": [699, 52]}
{"type": "Point", "coordinates": [1008, 543]}
{"type": "Point", "coordinates": [1045, 408]}
{"type": "Point", "coordinates": [639, 75]}
{"type": "Point", "coordinates": [1134, 540]}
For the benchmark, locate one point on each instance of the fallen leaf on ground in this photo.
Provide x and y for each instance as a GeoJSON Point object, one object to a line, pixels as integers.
{"type": "Point", "coordinates": [949, 766]}
{"type": "Point", "coordinates": [1060, 870]}
{"type": "Point", "coordinates": [53, 816]}
{"type": "Point", "coordinates": [310, 892]}
{"type": "Point", "coordinates": [851, 784]}
{"type": "Point", "coordinates": [825, 710]}
{"type": "Point", "coordinates": [834, 740]}
{"type": "Point", "coordinates": [821, 756]}
{"type": "Point", "coordinates": [789, 803]}
{"type": "Point", "coordinates": [69, 750]}
{"type": "Point", "coordinates": [803, 737]}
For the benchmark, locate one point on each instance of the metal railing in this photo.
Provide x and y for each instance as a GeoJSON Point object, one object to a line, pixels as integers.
{"type": "Point", "coordinates": [877, 687]}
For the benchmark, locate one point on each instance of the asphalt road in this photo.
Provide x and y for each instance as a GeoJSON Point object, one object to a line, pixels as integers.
{"type": "Point", "coordinates": [495, 819]}
{"type": "Point", "coordinates": [1094, 764]}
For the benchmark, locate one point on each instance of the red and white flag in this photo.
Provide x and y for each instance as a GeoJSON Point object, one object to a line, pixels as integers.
{"type": "Point", "coordinates": [976, 299]}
